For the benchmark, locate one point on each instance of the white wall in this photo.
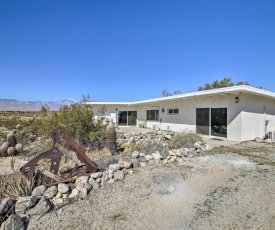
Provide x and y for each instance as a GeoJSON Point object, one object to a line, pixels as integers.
{"type": "Point", "coordinates": [245, 120]}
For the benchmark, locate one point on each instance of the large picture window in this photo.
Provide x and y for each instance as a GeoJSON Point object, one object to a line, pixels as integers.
{"type": "Point", "coordinates": [173, 111]}
{"type": "Point", "coordinates": [152, 115]}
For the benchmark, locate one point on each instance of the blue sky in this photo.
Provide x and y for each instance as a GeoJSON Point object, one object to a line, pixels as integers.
{"type": "Point", "coordinates": [127, 50]}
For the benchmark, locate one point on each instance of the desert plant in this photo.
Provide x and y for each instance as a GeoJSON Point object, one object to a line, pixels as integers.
{"type": "Point", "coordinates": [187, 140]}
{"type": "Point", "coordinates": [15, 185]}
{"type": "Point", "coordinates": [129, 148]}
{"type": "Point", "coordinates": [142, 124]}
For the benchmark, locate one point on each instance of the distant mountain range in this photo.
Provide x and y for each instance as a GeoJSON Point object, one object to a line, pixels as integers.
{"type": "Point", "coordinates": [14, 105]}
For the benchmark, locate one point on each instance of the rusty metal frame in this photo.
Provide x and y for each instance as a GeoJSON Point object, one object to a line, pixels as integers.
{"type": "Point", "coordinates": [55, 155]}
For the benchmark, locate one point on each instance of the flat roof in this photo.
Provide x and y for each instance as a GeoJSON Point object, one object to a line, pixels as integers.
{"type": "Point", "coordinates": [225, 90]}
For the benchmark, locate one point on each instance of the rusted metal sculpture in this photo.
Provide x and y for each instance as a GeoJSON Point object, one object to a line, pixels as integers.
{"type": "Point", "coordinates": [83, 166]}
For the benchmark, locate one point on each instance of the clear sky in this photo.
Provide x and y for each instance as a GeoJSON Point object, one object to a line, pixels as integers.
{"type": "Point", "coordinates": [128, 50]}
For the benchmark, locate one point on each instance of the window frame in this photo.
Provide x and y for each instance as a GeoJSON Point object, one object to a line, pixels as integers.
{"type": "Point", "coordinates": [173, 113]}
{"type": "Point", "coordinates": [156, 114]}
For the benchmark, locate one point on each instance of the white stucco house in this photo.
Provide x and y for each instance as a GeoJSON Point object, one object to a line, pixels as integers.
{"type": "Point", "coordinates": [236, 113]}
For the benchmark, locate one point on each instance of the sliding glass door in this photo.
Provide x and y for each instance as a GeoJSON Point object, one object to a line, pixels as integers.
{"type": "Point", "coordinates": [211, 121]}
{"type": "Point", "coordinates": [127, 118]}
{"type": "Point", "coordinates": [219, 122]}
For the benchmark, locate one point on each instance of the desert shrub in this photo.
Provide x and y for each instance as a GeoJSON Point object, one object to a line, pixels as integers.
{"type": "Point", "coordinates": [187, 140]}
{"type": "Point", "coordinates": [142, 124]}
{"type": "Point", "coordinates": [15, 185]}
{"type": "Point", "coordinates": [153, 147]}
{"type": "Point", "coordinates": [128, 148]}
{"type": "Point", "coordinates": [78, 120]}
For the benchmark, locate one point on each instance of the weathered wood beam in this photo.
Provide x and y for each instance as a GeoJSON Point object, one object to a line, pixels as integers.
{"type": "Point", "coordinates": [51, 175]}
{"type": "Point", "coordinates": [68, 154]}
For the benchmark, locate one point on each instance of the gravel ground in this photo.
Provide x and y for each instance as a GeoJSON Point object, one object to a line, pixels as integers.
{"type": "Point", "coordinates": [209, 192]}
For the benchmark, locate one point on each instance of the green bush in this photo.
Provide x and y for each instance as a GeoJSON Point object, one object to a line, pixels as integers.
{"type": "Point", "coordinates": [77, 119]}
{"type": "Point", "coordinates": [181, 140]}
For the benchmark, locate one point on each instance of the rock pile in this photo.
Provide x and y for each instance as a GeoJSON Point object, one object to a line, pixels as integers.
{"type": "Point", "coordinates": [43, 199]}
{"type": "Point", "coordinates": [115, 169]}
{"type": "Point", "coordinates": [144, 138]}
{"type": "Point", "coordinates": [11, 147]}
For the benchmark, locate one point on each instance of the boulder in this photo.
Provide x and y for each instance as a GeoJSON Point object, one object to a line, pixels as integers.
{"type": "Point", "coordinates": [149, 157]}
{"type": "Point", "coordinates": [43, 206]}
{"type": "Point", "coordinates": [119, 175]}
{"type": "Point", "coordinates": [111, 181]}
{"type": "Point", "coordinates": [125, 162]}
{"type": "Point", "coordinates": [39, 190]}
{"type": "Point", "coordinates": [185, 153]}
{"type": "Point", "coordinates": [11, 151]}
{"type": "Point", "coordinates": [197, 145]}
{"type": "Point", "coordinates": [58, 200]}
{"type": "Point", "coordinates": [172, 153]}
{"type": "Point", "coordinates": [115, 167]}
{"type": "Point", "coordinates": [207, 147]}
{"type": "Point", "coordinates": [88, 187]}
{"type": "Point", "coordinates": [135, 163]}
{"type": "Point", "coordinates": [63, 188]}
{"type": "Point", "coordinates": [7, 207]}
{"type": "Point", "coordinates": [19, 148]}
{"type": "Point", "coordinates": [104, 163]}
{"type": "Point", "coordinates": [135, 154]}
{"type": "Point", "coordinates": [51, 192]}
{"type": "Point", "coordinates": [172, 159]}
{"type": "Point", "coordinates": [74, 193]}
{"type": "Point", "coordinates": [58, 195]}
{"type": "Point", "coordinates": [83, 179]}
{"type": "Point", "coordinates": [143, 164]}
{"type": "Point", "coordinates": [14, 222]}
{"type": "Point", "coordinates": [94, 184]}
{"type": "Point", "coordinates": [96, 175]}
{"type": "Point", "coordinates": [179, 152]}
{"type": "Point", "coordinates": [168, 137]}
{"type": "Point", "coordinates": [4, 149]}
{"type": "Point", "coordinates": [156, 156]}
{"type": "Point", "coordinates": [142, 155]}
{"type": "Point", "coordinates": [80, 186]}
{"type": "Point", "coordinates": [83, 193]}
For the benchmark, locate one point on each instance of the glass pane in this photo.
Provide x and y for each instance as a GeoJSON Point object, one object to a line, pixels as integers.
{"type": "Point", "coordinates": [122, 117]}
{"type": "Point", "coordinates": [219, 122]}
{"type": "Point", "coordinates": [202, 121]}
{"type": "Point", "coordinates": [170, 111]}
{"type": "Point", "coordinates": [176, 111]}
{"type": "Point", "coordinates": [132, 117]}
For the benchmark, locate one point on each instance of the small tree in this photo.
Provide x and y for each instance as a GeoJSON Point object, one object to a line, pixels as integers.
{"type": "Point", "coordinates": [226, 82]}
{"type": "Point", "coordinates": [44, 110]}
{"type": "Point", "coordinates": [166, 93]}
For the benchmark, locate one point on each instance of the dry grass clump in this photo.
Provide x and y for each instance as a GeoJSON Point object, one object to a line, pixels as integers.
{"type": "Point", "coordinates": [187, 140]}
{"type": "Point", "coordinates": [128, 148]}
{"type": "Point", "coordinates": [15, 185]}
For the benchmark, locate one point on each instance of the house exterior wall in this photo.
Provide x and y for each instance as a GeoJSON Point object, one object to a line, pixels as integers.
{"type": "Point", "coordinates": [245, 120]}
{"type": "Point", "coordinates": [256, 111]}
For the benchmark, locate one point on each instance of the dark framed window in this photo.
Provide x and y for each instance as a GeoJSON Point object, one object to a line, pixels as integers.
{"type": "Point", "coordinates": [173, 111]}
{"type": "Point", "coordinates": [152, 115]}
